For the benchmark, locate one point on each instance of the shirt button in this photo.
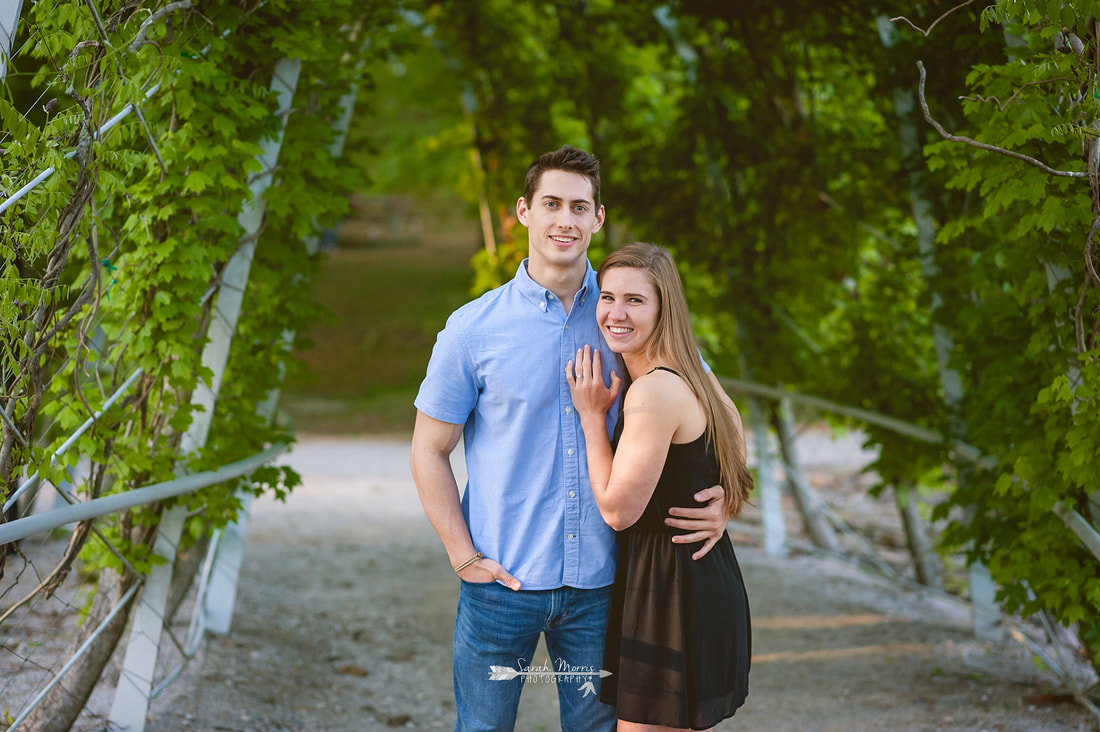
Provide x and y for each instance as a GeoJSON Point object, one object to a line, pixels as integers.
{"type": "Point", "coordinates": [567, 327]}
{"type": "Point", "coordinates": [569, 451]}
{"type": "Point", "coordinates": [542, 305]}
{"type": "Point", "coordinates": [570, 536]}
{"type": "Point", "coordinates": [569, 410]}
{"type": "Point", "coordinates": [572, 494]}
{"type": "Point", "coordinates": [550, 296]}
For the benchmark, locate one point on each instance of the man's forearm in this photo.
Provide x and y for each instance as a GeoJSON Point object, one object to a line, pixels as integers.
{"type": "Point", "coordinates": [438, 491]}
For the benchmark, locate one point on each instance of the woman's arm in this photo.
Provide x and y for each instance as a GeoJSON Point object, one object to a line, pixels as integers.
{"type": "Point", "coordinates": [624, 482]}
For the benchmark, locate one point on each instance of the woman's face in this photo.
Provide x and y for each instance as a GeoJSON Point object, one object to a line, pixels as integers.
{"type": "Point", "coordinates": [628, 309]}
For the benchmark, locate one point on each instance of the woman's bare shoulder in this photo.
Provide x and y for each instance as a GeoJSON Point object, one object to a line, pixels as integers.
{"type": "Point", "coordinates": [659, 387]}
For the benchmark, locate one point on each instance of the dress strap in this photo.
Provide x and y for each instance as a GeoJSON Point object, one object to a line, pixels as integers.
{"type": "Point", "coordinates": [661, 368]}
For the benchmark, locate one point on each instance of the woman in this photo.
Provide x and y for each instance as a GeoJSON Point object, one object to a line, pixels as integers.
{"type": "Point", "coordinates": [678, 640]}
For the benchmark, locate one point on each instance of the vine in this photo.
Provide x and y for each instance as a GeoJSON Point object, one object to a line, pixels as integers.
{"type": "Point", "coordinates": [111, 265]}
{"type": "Point", "coordinates": [1027, 316]}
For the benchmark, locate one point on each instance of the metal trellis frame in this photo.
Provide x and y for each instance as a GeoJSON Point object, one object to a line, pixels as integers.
{"type": "Point", "coordinates": [228, 552]}
{"type": "Point", "coordinates": [31, 525]}
{"type": "Point", "coordinates": [135, 685]}
{"type": "Point", "coordinates": [1081, 526]}
{"type": "Point", "coordinates": [45, 174]}
{"type": "Point", "coordinates": [96, 507]}
{"type": "Point", "coordinates": [9, 24]}
{"type": "Point", "coordinates": [33, 481]}
{"type": "Point", "coordinates": [134, 689]}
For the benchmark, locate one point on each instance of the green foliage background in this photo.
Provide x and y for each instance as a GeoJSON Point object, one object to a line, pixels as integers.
{"type": "Point", "coordinates": [112, 265]}
{"type": "Point", "coordinates": [765, 144]}
{"type": "Point", "coordinates": [830, 238]}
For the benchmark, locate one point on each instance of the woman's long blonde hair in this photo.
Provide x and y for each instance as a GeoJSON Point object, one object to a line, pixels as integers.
{"type": "Point", "coordinates": [672, 344]}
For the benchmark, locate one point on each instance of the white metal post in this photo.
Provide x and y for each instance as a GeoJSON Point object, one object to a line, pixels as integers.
{"type": "Point", "coordinates": [9, 23]}
{"type": "Point", "coordinates": [221, 595]}
{"type": "Point", "coordinates": [131, 701]}
{"type": "Point", "coordinates": [771, 498]}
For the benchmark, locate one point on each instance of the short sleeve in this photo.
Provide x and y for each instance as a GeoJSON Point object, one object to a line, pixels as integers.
{"type": "Point", "coordinates": [706, 366]}
{"type": "Point", "coordinates": [449, 390]}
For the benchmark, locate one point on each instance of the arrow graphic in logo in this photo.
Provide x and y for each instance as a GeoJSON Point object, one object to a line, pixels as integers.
{"type": "Point", "coordinates": [507, 673]}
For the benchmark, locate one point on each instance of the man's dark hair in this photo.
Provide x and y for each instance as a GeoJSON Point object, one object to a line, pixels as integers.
{"type": "Point", "coordinates": [569, 159]}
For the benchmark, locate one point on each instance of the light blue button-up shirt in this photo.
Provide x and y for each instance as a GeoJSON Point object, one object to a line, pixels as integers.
{"type": "Point", "coordinates": [498, 368]}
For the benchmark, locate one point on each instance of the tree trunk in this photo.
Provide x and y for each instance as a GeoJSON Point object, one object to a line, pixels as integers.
{"type": "Point", "coordinates": [813, 520]}
{"type": "Point", "coordinates": [64, 702]}
{"type": "Point", "coordinates": [187, 566]}
{"type": "Point", "coordinates": [926, 563]}
{"type": "Point", "coordinates": [982, 587]}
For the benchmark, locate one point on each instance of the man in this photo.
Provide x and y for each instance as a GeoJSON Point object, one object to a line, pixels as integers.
{"type": "Point", "coordinates": [526, 537]}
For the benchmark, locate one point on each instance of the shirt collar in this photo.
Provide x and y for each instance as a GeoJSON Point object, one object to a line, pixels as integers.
{"type": "Point", "coordinates": [538, 295]}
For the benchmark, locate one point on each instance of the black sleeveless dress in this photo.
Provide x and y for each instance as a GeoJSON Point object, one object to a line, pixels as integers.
{"type": "Point", "coordinates": [679, 639]}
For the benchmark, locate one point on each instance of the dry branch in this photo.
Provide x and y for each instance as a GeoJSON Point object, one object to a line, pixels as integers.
{"type": "Point", "coordinates": [985, 146]}
{"type": "Point", "coordinates": [1001, 106]}
{"type": "Point", "coordinates": [139, 39]}
{"type": "Point", "coordinates": [934, 22]}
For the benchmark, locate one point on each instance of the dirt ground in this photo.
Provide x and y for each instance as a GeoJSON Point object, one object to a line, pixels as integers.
{"type": "Point", "coordinates": [346, 605]}
{"type": "Point", "coordinates": [345, 609]}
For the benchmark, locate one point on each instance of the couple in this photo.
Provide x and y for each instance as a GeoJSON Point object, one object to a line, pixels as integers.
{"type": "Point", "coordinates": [518, 374]}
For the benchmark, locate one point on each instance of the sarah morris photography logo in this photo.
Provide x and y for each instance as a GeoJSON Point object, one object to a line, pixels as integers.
{"type": "Point", "coordinates": [545, 673]}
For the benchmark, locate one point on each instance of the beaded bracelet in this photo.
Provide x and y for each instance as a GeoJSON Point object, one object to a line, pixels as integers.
{"type": "Point", "coordinates": [468, 562]}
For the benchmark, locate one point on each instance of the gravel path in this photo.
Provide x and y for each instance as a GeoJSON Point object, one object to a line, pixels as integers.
{"type": "Point", "coordinates": [346, 606]}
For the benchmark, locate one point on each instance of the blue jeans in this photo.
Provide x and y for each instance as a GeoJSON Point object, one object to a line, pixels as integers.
{"type": "Point", "coordinates": [495, 626]}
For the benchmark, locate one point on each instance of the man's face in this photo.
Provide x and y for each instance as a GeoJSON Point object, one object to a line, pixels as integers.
{"type": "Point", "coordinates": [560, 219]}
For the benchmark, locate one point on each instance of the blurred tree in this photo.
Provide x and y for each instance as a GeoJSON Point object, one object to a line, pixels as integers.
{"type": "Point", "coordinates": [776, 148]}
